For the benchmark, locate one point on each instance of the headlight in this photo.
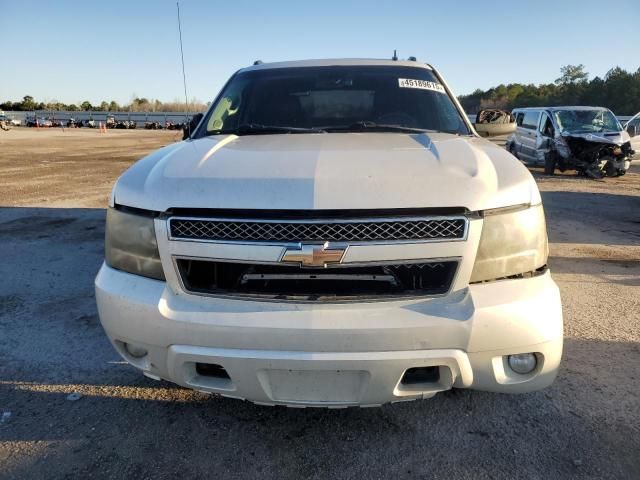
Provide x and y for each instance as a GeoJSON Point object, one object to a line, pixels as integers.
{"type": "Point", "coordinates": [131, 245]}
{"type": "Point", "coordinates": [512, 242]}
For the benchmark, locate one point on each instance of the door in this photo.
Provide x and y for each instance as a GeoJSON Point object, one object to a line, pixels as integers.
{"type": "Point", "coordinates": [544, 138]}
{"type": "Point", "coordinates": [516, 139]}
{"type": "Point", "coordinates": [635, 140]}
{"type": "Point", "coordinates": [528, 135]}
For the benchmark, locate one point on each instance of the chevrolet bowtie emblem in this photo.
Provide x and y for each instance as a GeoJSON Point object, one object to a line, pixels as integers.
{"type": "Point", "coordinates": [310, 255]}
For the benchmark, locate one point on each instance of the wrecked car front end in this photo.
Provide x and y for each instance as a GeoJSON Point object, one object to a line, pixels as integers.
{"type": "Point", "coordinates": [592, 142]}
{"type": "Point", "coordinates": [594, 155]}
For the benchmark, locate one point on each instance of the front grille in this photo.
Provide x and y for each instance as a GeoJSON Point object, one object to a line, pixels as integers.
{"type": "Point", "coordinates": [337, 231]}
{"type": "Point", "coordinates": [285, 282]}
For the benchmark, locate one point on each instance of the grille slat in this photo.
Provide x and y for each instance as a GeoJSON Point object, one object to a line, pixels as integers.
{"type": "Point", "coordinates": [337, 231]}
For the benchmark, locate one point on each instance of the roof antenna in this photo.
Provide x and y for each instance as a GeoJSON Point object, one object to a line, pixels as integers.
{"type": "Point", "coordinates": [187, 114]}
{"type": "Point", "coordinates": [395, 56]}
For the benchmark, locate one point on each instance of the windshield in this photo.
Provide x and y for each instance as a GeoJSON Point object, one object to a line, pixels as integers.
{"type": "Point", "coordinates": [339, 98]}
{"type": "Point", "coordinates": [587, 121]}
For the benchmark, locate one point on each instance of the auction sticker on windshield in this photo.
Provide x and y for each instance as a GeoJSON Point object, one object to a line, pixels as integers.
{"type": "Point", "coordinates": [421, 84]}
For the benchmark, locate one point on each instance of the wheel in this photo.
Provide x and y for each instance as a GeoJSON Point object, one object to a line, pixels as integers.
{"type": "Point", "coordinates": [549, 164]}
{"type": "Point", "coordinates": [610, 170]}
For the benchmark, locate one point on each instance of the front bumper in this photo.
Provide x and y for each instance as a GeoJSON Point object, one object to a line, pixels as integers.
{"type": "Point", "coordinates": [336, 354]}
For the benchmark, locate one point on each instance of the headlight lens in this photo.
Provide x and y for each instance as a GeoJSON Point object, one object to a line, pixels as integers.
{"type": "Point", "coordinates": [511, 243]}
{"type": "Point", "coordinates": [131, 245]}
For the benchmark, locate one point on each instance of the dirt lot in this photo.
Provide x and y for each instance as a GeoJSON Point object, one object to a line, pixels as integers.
{"type": "Point", "coordinates": [53, 189]}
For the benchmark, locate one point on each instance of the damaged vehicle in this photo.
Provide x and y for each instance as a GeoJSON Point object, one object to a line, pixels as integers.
{"type": "Point", "coordinates": [332, 233]}
{"type": "Point", "coordinates": [632, 127]}
{"type": "Point", "coordinates": [493, 122]}
{"type": "Point", "coordinates": [589, 140]}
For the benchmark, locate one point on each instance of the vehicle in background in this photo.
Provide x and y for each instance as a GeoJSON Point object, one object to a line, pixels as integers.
{"type": "Point", "coordinates": [332, 233]}
{"type": "Point", "coordinates": [125, 125]}
{"type": "Point", "coordinates": [9, 121]}
{"type": "Point", "coordinates": [589, 140]}
{"type": "Point", "coordinates": [493, 122]}
{"type": "Point", "coordinates": [632, 127]}
{"type": "Point", "coordinates": [33, 121]}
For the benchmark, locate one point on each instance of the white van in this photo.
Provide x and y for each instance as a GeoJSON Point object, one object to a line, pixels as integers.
{"type": "Point", "coordinates": [589, 140]}
{"type": "Point", "coordinates": [632, 127]}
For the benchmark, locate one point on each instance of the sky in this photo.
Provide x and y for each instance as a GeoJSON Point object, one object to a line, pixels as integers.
{"type": "Point", "coordinates": [97, 50]}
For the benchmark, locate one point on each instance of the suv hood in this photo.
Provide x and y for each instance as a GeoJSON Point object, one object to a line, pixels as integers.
{"type": "Point", "coordinates": [614, 138]}
{"type": "Point", "coordinates": [327, 171]}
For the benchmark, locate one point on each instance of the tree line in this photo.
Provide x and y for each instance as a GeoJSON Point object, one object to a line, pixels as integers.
{"type": "Point", "coordinates": [619, 91]}
{"type": "Point", "coordinates": [137, 104]}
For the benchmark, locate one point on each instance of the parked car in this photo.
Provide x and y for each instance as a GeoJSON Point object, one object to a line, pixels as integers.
{"type": "Point", "coordinates": [38, 121]}
{"type": "Point", "coordinates": [332, 233]}
{"type": "Point", "coordinates": [5, 123]}
{"type": "Point", "coordinates": [9, 121]}
{"type": "Point", "coordinates": [589, 140]}
{"type": "Point", "coordinates": [632, 127]}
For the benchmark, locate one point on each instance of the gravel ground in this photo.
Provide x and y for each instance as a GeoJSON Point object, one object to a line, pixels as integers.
{"type": "Point", "coordinates": [70, 408]}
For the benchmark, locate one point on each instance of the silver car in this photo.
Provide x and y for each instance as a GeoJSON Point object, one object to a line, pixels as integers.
{"type": "Point", "coordinates": [589, 140]}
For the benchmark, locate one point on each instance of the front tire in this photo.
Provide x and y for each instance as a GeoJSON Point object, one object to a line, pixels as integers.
{"type": "Point", "coordinates": [550, 164]}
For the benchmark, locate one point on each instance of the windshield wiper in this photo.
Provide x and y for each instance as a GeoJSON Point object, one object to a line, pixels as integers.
{"type": "Point", "coordinates": [257, 129]}
{"type": "Point", "coordinates": [375, 127]}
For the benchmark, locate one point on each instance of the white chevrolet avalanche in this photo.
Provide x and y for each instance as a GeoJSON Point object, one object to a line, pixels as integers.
{"type": "Point", "coordinates": [333, 233]}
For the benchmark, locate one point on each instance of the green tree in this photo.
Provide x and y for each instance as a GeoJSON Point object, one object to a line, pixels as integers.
{"type": "Point", "coordinates": [572, 74]}
{"type": "Point", "coordinates": [619, 91]}
{"type": "Point", "coordinates": [27, 103]}
{"type": "Point", "coordinates": [86, 105]}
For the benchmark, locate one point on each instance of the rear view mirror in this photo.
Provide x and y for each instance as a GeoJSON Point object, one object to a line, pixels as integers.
{"type": "Point", "coordinates": [632, 130]}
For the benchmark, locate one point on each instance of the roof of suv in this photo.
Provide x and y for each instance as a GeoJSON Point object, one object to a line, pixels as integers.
{"type": "Point", "coordinates": [337, 62]}
{"type": "Point", "coordinates": [554, 109]}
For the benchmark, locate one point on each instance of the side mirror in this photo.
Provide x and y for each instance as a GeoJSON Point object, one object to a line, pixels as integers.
{"type": "Point", "coordinates": [191, 126]}
{"type": "Point", "coordinates": [632, 130]}
{"type": "Point", "coordinates": [494, 129]}
{"type": "Point", "coordinates": [493, 122]}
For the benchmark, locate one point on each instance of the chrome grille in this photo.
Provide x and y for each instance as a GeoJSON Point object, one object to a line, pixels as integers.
{"type": "Point", "coordinates": [319, 230]}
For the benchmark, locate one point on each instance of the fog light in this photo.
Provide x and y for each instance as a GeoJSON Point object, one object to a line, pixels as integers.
{"type": "Point", "coordinates": [135, 351]}
{"type": "Point", "coordinates": [523, 363]}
